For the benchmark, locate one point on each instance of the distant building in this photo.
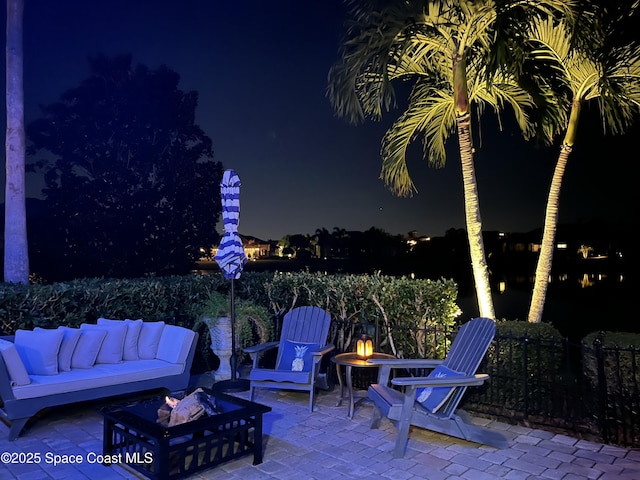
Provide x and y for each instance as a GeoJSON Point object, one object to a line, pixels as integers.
{"type": "Point", "coordinates": [254, 248]}
{"type": "Point", "coordinates": [414, 239]}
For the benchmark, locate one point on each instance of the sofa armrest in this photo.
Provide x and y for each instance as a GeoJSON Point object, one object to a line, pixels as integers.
{"type": "Point", "coordinates": [6, 392]}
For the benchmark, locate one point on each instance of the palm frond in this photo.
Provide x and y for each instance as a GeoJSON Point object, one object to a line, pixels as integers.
{"type": "Point", "coordinates": [430, 114]}
{"type": "Point", "coordinates": [613, 79]}
{"type": "Point", "coordinates": [358, 83]}
{"type": "Point", "coordinates": [619, 89]}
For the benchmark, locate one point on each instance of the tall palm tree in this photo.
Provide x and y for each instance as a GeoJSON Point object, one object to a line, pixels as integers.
{"type": "Point", "coordinates": [443, 47]}
{"type": "Point", "coordinates": [16, 257]}
{"type": "Point", "coordinates": [613, 79]}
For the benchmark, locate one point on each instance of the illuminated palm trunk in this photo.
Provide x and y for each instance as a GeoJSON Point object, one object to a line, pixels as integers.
{"type": "Point", "coordinates": [545, 260]}
{"type": "Point", "coordinates": [16, 258]}
{"type": "Point", "coordinates": [471, 203]}
{"type": "Point", "coordinates": [473, 220]}
{"type": "Point", "coordinates": [543, 269]}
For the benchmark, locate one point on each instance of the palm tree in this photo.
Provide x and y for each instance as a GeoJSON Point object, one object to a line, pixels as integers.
{"type": "Point", "coordinates": [323, 241]}
{"type": "Point", "coordinates": [16, 256]}
{"type": "Point", "coordinates": [613, 79]}
{"type": "Point", "coordinates": [443, 46]}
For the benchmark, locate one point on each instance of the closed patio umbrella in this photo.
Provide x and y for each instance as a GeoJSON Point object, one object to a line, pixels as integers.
{"type": "Point", "coordinates": [231, 259]}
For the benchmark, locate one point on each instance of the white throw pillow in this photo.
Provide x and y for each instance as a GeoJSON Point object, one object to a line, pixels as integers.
{"type": "Point", "coordinates": [130, 351]}
{"type": "Point", "coordinates": [17, 371]}
{"type": "Point", "coordinates": [39, 349]}
{"type": "Point", "coordinates": [86, 351]}
{"type": "Point", "coordinates": [175, 344]}
{"type": "Point", "coordinates": [69, 341]}
{"type": "Point", "coordinates": [113, 345]}
{"type": "Point", "coordinates": [149, 339]}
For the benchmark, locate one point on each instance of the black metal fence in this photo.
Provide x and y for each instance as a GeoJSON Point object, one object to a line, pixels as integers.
{"type": "Point", "coordinates": [589, 390]}
{"type": "Point", "coordinates": [592, 391]}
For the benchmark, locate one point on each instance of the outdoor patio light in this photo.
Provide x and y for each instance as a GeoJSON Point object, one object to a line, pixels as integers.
{"type": "Point", "coordinates": [364, 347]}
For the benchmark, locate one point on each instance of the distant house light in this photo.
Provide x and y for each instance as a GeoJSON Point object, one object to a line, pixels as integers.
{"type": "Point", "coordinates": [561, 246]}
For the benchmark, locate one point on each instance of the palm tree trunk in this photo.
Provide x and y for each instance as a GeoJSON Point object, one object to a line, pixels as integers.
{"type": "Point", "coordinates": [473, 220]}
{"type": "Point", "coordinates": [543, 269]}
{"type": "Point", "coordinates": [16, 257]}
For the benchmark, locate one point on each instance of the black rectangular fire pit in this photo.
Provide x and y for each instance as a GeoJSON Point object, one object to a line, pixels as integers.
{"type": "Point", "coordinates": [133, 436]}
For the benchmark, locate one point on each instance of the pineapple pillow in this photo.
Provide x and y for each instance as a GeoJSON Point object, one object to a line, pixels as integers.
{"type": "Point", "coordinates": [432, 398]}
{"type": "Point", "coordinates": [298, 356]}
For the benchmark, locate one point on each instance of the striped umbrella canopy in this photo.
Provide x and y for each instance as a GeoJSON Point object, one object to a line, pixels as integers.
{"type": "Point", "coordinates": [230, 256]}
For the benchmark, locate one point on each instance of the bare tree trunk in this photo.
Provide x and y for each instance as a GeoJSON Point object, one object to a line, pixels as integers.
{"type": "Point", "coordinates": [16, 256]}
{"type": "Point", "coordinates": [473, 220]}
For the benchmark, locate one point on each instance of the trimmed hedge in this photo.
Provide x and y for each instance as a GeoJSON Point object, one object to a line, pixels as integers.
{"type": "Point", "coordinates": [72, 303]}
{"type": "Point", "coordinates": [403, 309]}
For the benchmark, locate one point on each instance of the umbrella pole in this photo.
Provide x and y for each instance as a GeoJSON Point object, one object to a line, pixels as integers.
{"type": "Point", "coordinates": [233, 360]}
{"type": "Point", "coordinates": [234, 384]}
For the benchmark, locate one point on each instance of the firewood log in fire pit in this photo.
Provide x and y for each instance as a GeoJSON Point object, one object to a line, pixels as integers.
{"type": "Point", "coordinates": [191, 407]}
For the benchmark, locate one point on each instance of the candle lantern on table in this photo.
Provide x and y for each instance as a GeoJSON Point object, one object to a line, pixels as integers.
{"type": "Point", "coordinates": [364, 347]}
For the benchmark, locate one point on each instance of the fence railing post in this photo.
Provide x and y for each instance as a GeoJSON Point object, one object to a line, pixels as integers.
{"type": "Point", "coordinates": [525, 358]}
{"type": "Point", "coordinates": [602, 388]}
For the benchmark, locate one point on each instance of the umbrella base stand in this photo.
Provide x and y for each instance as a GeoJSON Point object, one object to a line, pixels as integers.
{"type": "Point", "coordinates": [231, 385]}
{"type": "Point", "coordinates": [234, 384]}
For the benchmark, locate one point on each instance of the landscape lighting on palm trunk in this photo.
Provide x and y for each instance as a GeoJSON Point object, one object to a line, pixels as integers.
{"type": "Point", "coordinates": [364, 347]}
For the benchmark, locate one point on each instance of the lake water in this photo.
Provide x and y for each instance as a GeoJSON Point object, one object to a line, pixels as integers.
{"type": "Point", "coordinates": [576, 304]}
{"type": "Point", "coordinates": [573, 312]}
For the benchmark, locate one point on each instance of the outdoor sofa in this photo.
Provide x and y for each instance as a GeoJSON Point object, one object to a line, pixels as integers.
{"type": "Point", "coordinates": [43, 368]}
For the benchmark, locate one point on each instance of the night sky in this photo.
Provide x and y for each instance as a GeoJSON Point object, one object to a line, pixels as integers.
{"type": "Point", "coordinates": [260, 69]}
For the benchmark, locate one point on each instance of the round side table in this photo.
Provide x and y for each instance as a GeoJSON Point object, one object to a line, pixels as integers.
{"type": "Point", "coordinates": [350, 360]}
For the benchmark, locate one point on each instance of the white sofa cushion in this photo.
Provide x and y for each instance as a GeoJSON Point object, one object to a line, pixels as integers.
{"type": "Point", "coordinates": [171, 337]}
{"type": "Point", "coordinates": [101, 375]}
{"type": "Point", "coordinates": [39, 349]}
{"type": "Point", "coordinates": [149, 339]}
{"type": "Point", "coordinates": [17, 371]}
{"type": "Point", "coordinates": [86, 351]}
{"type": "Point", "coordinates": [130, 351]}
{"type": "Point", "coordinates": [67, 347]}
{"type": "Point", "coordinates": [112, 347]}
{"type": "Point", "coordinates": [70, 338]}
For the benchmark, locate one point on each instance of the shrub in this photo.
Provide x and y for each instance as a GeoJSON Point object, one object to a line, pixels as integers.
{"type": "Point", "coordinates": [523, 369]}
{"type": "Point", "coordinates": [403, 309]}
{"type": "Point", "coordinates": [620, 354]}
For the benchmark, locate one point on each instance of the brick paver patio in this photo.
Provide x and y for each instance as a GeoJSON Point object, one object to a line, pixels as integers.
{"type": "Point", "coordinates": [326, 445]}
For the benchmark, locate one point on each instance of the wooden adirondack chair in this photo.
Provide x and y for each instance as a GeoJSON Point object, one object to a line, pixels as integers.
{"type": "Point", "coordinates": [400, 404]}
{"type": "Point", "coordinates": [300, 350]}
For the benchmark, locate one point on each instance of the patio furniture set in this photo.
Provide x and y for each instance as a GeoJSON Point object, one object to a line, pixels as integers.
{"type": "Point", "coordinates": [43, 368]}
{"type": "Point", "coordinates": [133, 433]}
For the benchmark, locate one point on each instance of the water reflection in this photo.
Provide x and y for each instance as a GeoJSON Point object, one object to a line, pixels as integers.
{"type": "Point", "coordinates": [576, 303]}
{"type": "Point", "coordinates": [501, 283]}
